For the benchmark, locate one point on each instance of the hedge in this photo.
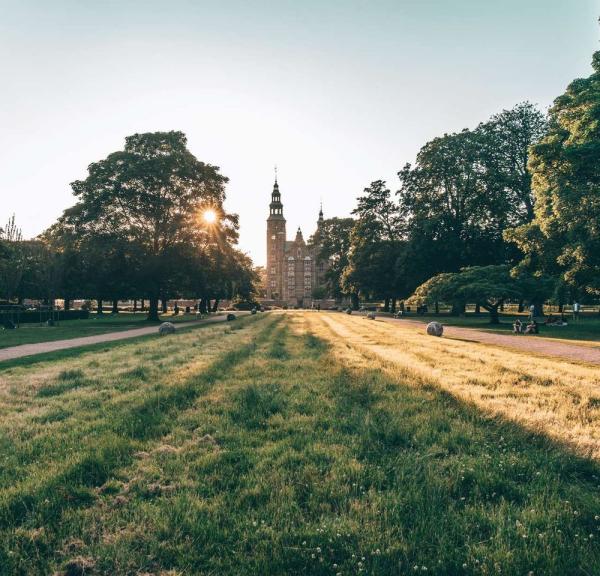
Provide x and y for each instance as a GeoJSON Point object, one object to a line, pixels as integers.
{"type": "Point", "coordinates": [33, 316]}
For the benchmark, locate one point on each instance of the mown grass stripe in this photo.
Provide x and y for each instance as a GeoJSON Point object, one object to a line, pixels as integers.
{"type": "Point", "coordinates": [149, 420]}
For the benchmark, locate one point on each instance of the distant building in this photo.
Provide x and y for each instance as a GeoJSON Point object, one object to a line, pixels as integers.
{"type": "Point", "coordinates": [293, 273]}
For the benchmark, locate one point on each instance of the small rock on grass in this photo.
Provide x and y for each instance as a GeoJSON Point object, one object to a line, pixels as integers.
{"type": "Point", "coordinates": [435, 329]}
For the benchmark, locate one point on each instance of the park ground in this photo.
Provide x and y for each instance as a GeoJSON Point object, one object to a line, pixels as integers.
{"type": "Point", "coordinates": [93, 326]}
{"type": "Point", "coordinates": [585, 328]}
{"type": "Point", "coordinates": [299, 443]}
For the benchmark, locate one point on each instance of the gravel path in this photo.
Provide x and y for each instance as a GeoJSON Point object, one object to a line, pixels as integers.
{"type": "Point", "coordinates": [535, 344]}
{"type": "Point", "coordinates": [43, 347]}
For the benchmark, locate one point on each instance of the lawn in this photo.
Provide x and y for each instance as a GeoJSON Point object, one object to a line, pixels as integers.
{"type": "Point", "coordinates": [299, 443]}
{"type": "Point", "coordinates": [586, 328]}
{"type": "Point", "coordinates": [32, 333]}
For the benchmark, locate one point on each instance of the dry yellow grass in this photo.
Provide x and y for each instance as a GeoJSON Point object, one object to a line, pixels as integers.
{"type": "Point", "coordinates": [556, 397]}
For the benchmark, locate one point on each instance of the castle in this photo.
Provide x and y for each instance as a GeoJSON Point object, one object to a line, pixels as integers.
{"type": "Point", "coordinates": [294, 275]}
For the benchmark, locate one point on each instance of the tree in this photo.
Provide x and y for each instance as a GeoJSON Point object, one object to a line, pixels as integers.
{"type": "Point", "coordinates": [489, 286]}
{"type": "Point", "coordinates": [506, 141]}
{"type": "Point", "coordinates": [149, 195]}
{"type": "Point", "coordinates": [333, 247]}
{"type": "Point", "coordinates": [375, 244]}
{"type": "Point", "coordinates": [565, 167]}
{"type": "Point", "coordinates": [464, 191]}
{"type": "Point", "coordinates": [12, 261]}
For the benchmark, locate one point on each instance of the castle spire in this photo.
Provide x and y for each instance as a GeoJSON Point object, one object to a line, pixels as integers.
{"type": "Point", "coordinates": [276, 207]}
{"type": "Point", "coordinates": [320, 221]}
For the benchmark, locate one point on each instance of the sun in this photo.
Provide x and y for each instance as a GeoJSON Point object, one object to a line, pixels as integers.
{"type": "Point", "coordinates": [209, 216]}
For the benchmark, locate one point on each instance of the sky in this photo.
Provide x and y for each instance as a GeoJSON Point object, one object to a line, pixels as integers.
{"type": "Point", "coordinates": [337, 94]}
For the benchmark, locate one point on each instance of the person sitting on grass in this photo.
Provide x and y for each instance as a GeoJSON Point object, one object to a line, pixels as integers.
{"type": "Point", "coordinates": [517, 327]}
{"type": "Point", "coordinates": [532, 328]}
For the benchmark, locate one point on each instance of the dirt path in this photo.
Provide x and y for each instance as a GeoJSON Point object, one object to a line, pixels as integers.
{"type": "Point", "coordinates": [43, 347]}
{"type": "Point", "coordinates": [535, 344]}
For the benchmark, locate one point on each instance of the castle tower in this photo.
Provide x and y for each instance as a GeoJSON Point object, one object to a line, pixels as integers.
{"type": "Point", "coordinates": [276, 236]}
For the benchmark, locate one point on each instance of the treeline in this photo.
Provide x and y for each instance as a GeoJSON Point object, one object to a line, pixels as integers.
{"type": "Point", "coordinates": [508, 210]}
{"type": "Point", "coordinates": [148, 223]}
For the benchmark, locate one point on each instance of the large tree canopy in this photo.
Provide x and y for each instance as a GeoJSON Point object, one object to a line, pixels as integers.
{"type": "Point", "coordinates": [565, 168]}
{"type": "Point", "coordinates": [488, 286]}
{"type": "Point", "coordinates": [150, 195]}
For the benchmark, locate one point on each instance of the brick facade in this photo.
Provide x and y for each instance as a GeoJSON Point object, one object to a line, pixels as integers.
{"type": "Point", "coordinates": [293, 270]}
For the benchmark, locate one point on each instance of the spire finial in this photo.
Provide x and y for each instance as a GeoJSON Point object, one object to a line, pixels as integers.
{"type": "Point", "coordinates": [275, 173]}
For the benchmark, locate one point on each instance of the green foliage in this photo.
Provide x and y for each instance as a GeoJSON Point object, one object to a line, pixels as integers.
{"type": "Point", "coordinates": [375, 244]}
{"type": "Point", "coordinates": [566, 183]}
{"type": "Point", "coordinates": [465, 190]}
{"type": "Point", "coordinates": [488, 286]}
{"type": "Point", "coordinates": [334, 246]}
{"type": "Point", "coordinates": [137, 229]}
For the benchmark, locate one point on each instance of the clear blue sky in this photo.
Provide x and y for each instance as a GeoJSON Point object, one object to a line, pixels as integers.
{"type": "Point", "coordinates": [336, 93]}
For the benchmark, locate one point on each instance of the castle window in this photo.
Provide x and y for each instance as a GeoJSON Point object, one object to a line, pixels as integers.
{"type": "Point", "coordinates": [273, 269]}
{"type": "Point", "coordinates": [273, 284]}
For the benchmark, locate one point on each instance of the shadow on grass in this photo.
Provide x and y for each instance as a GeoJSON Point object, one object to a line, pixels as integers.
{"type": "Point", "coordinates": [27, 361]}
{"type": "Point", "coordinates": [43, 502]}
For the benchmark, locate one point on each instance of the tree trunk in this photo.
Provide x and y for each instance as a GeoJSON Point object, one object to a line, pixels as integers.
{"type": "Point", "coordinates": [457, 309]}
{"type": "Point", "coordinates": [437, 307]}
{"type": "Point", "coordinates": [386, 305]}
{"type": "Point", "coordinates": [164, 303]}
{"type": "Point", "coordinates": [393, 308]}
{"type": "Point", "coordinates": [354, 301]}
{"type": "Point", "coordinates": [99, 308]}
{"type": "Point", "coordinates": [478, 308]}
{"type": "Point", "coordinates": [493, 310]}
{"type": "Point", "coordinates": [521, 306]}
{"type": "Point", "coordinates": [135, 305]}
{"type": "Point", "coordinates": [115, 306]}
{"type": "Point", "coordinates": [67, 304]}
{"type": "Point", "coordinates": [203, 307]}
{"type": "Point", "coordinates": [502, 307]}
{"type": "Point", "coordinates": [215, 305]}
{"type": "Point", "coordinates": [561, 307]}
{"type": "Point", "coordinates": [142, 305]}
{"type": "Point", "coordinates": [153, 310]}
